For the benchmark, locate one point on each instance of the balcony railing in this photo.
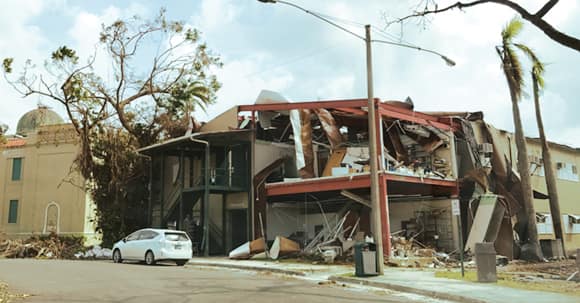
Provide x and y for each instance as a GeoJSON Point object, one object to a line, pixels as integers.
{"type": "Point", "coordinates": [224, 177]}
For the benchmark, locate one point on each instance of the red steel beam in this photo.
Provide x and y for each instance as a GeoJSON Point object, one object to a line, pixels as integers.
{"type": "Point", "coordinates": [345, 182]}
{"type": "Point", "coordinates": [318, 184]}
{"type": "Point", "coordinates": [353, 106]}
{"type": "Point", "coordinates": [385, 223]}
{"type": "Point", "coordinates": [352, 111]}
{"type": "Point", "coordinates": [411, 116]}
{"type": "Point", "coordinates": [304, 105]}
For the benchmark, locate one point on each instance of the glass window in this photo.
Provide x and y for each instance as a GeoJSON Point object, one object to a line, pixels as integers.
{"type": "Point", "coordinates": [16, 169]}
{"type": "Point", "coordinates": [147, 235]}
{"type": "Point", "coordinates": [133, 236]}
{"type": "Point", "coordinates": [13, 211]}
{"type": "Point", "coordinates": [175, 236]}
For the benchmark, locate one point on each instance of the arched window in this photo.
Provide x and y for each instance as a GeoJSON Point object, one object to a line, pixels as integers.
{"type": "Point", "coordinates": [52, 218]}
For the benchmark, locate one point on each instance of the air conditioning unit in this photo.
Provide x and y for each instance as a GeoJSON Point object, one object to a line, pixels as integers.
{"type": "Point", "coordinates": [534, 159]}
{"type": "Point", "coordinates": [485, 148]}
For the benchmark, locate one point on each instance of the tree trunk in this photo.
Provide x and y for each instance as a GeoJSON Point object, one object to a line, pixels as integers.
{"type": "Point", "coordinates": [534, 253]}
{"type": "Point", "coordinates": [549, 173]}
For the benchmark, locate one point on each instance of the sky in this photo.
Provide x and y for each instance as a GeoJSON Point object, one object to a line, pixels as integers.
{"type": "Point", "coordinates": [277, 47]}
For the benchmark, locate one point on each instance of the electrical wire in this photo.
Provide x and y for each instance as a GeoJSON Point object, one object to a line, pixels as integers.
{"type": "Point", "coordinates": [295, 59]}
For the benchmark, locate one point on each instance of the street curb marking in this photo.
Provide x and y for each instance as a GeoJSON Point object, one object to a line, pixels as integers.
{"type": "Point", "coordinates": [401, 288]}
{"type": "Point", "coordinates": [253, 268]}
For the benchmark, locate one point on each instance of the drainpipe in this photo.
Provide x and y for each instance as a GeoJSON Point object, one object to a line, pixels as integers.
{"type": "Point", "coordinates": [149, 203]}
{"type": "Point", "coordinates": [205, 238]}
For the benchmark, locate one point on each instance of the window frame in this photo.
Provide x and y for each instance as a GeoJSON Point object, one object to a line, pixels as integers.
{"type": "Point", "coordinates": [568, 222]}
{"type": "Point", "coordinates": [544, 223]}
{"type": "Point", "coordinates": [16, 174]}
{"type": "Point", "coordinates": [13, 211]}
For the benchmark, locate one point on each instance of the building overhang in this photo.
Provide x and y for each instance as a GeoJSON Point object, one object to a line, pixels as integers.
{"type": "Point", "coordinates": [179, 142]}
{"type": "Point", "coordinates": [410, 184]}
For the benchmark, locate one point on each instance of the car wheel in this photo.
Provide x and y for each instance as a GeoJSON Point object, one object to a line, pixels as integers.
{"type": "Point", "coordinates": [149, 258]}
{"type": "Point", "coordinates": [117, 256]}
{"type": "Point", "coordinates": [180, 262]}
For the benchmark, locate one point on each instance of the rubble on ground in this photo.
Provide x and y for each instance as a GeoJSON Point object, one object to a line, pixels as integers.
{"type": "Point", "coordinates": [50, 246]}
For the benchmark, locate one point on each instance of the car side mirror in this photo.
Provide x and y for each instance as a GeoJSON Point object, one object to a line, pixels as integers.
{"type": "Point", "coordinates": [124, 240]}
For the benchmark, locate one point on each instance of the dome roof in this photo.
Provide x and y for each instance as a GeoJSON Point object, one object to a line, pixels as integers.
{"type": "Point", "coordinates": [33, 119]}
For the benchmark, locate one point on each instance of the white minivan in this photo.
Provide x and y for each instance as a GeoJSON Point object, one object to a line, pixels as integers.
{"type": "Point", "coordinates": [152, 245]}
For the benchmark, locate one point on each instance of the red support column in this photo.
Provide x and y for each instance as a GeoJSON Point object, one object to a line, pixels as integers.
{"type": "Point", "coordinates": [385, 224]}
{"type": "Point", "coordinates": [383, 199]}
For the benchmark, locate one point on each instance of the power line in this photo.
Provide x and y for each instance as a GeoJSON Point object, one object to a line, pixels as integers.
{"type": "Point", "coordinates": [307, 55]}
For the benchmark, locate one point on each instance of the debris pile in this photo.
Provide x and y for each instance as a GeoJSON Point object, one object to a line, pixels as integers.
{"type": "Point", "coordinates": [258, 249]}
{"type": "Point", "coordinates": [411, 253]}
{"type": "Point", "coordinates": [46, 246]}
{"type": "Point", "coordinates": [330, 242]}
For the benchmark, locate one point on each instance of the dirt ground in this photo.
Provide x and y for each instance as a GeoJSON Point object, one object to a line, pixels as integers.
{"type": "Point", "coordinates": [562, 269]}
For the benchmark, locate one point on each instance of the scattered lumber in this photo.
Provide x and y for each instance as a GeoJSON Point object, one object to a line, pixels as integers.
{"type": "Point", "coordinates": [44, 246]}
{"type": "Point", "coordinates": [283, 247]}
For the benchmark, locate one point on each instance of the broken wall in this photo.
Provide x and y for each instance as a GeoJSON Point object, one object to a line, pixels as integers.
{"type": "Point", "coordinates": [294, 222]}
{"type": "Point", "coordinates": [442, 223]}
{"type": "Point", "coordinates": [268, 152]}
{"type": "Point", "coordinates": [227, 120]}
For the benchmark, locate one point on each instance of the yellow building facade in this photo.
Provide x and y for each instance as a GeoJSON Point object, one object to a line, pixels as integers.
{"type": "Point", "coordinates": [566, 161]}
{"type": "Point", "coordinates": [40, 193]}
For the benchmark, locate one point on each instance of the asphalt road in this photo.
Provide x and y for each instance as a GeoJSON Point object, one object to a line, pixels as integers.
{"type": "Point", "coordinates": [103, 281]}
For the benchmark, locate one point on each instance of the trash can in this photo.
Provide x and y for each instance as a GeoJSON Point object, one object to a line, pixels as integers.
{"type": "Point", "coordinates": [365, 259]}
{"type": "Point", "coordinates": [485, 261]}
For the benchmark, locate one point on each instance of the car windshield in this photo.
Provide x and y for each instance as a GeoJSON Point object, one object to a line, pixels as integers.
{"type": "Point", "coordinates": [172, 236]}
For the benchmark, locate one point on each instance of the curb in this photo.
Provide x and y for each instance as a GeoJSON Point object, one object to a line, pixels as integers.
{"type": "Point", "coordinates": [401, 288]}
{"type": "Point", "coordinates": [252, 268]}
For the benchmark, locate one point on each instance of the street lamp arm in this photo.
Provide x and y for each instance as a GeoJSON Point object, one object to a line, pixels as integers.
{"type": "Point", "coordinates": [445, 58]}
{"type": "Point", "coordinates": [315, 15]}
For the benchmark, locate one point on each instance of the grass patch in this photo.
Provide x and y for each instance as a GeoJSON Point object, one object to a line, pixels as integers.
{"type": "Point", "coordinates": [514, 281]}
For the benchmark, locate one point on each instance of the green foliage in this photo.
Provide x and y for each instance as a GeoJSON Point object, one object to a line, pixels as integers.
{"type": "Point", "coordinates": [137, 106]}
{"type": "Point", "coordinates": [120, 185]}
{"type": "Point", "coordinates": [511, 30]}
{"type": "Point", "coordinates": [7, 65]}
{"type": "Point", "coordinates": [537, 65]}
{"type": "Point", "coordinates": [510, 61]}
{"type": "Point", "coordinates": [64, 53]}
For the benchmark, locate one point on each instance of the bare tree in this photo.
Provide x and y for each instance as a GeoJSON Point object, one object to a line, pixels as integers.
{"type": "Point", "coordinates": [3, 129]}
{"type": "Point", "coordinates": [430, 7]}
{"type": "Point", "coordinates": [143, 100]}
{"type": "Point", "coordinates": [158, 73]}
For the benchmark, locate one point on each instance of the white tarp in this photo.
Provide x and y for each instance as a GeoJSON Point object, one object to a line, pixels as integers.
{"type": "Point", "coordinates": [268, 96]}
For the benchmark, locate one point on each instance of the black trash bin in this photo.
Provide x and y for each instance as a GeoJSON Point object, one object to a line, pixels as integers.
{"type": "Point", "coordinates": [365, 259]}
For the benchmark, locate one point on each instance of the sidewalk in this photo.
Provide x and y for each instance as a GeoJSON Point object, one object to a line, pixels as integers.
{"type": "Point", "coordinates": [398, 279]}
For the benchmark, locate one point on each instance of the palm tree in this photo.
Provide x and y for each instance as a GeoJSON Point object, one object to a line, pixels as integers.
{"type": "Point", "coordinates": [549, 173]}
{"type": "Point", "coordinates": [513, 72]}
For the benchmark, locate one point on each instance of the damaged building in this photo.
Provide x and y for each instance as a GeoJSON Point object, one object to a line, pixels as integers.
{"type": "Point", "coordinates": [300, 170]}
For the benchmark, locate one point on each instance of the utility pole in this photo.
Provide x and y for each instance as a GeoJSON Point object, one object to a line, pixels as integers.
{"type": "Point", "coordinates": [375, 132]}
{"type": "Point", "coordinates": [372, 119]}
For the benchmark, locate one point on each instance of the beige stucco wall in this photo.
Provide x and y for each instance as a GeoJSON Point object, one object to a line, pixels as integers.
{"type": "Point", "coordinates": [568, 190]}
{"type": "Point", "coordinates": [45, 178]}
